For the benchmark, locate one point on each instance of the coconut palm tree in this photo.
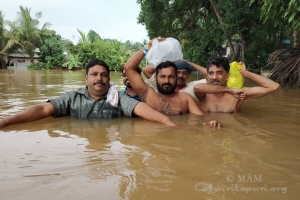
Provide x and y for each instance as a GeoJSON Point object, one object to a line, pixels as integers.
{"type": "Point", "coordinates": [25, 32]}
{"type": "Point", "coordinates": [83, 38]}
{"type": "Point", "coordinates": [92, 36]}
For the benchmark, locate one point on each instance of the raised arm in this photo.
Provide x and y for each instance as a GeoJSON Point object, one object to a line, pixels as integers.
{"type": "Point", "coordinates": [136, 81]}
{"type": "Point", "coordinates": [199, 68]}
{"type": "Point", "coordinates": [148, 71]}
{"type": "Point", "coordinates": [266, 85]}
{"type": "Point", "coordinates": [33, 113]}
{"type": "Point", "coordinates": [145, 111]}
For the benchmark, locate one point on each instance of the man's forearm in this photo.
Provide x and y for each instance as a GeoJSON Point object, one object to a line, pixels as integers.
{"type": "Point", "coordinates": [199, 68]}
{"type": "Point", "coordinates": [260, 80]}
{"type": "Point", "coordinates": [148, 71]}
{"type": "Point", "coordinates": [135, 60]}
{"type": "Point", "coordinates": [33, 113]}
{"type": "Point", "coordinates": [145, 111]}
{"type": "Point", "coordinates": [211, 89]}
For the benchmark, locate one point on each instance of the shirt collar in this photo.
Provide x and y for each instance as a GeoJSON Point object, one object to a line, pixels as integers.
{"type": "Point", "coordinates": [86, 93]}
{"type": "Point", "coordinates": [125, 91]}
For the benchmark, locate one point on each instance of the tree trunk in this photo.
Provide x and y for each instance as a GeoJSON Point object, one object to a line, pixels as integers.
{"type": "Point", "coordinates": [295, 43]}
{"type": "Point", "coordinates": [31, 58]}
{"type": "Point", "coordinates": [228, 38]}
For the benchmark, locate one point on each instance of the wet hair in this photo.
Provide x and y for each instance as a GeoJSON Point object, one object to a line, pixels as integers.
{"type": "Point", "coordinates": [166, 64]}
{"type": "Point", "coordinates": [219, 62]}
{"type": "Point", "coordinates": [138, 70]}
{"type": "Point", "coordinates": [94, 62]}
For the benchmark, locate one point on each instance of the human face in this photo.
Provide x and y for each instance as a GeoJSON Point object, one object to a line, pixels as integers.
{"type": "Point", "coordinates": [125, 80]}
{"type": "Point", "coordinates": [97, 81]}
{"type": "Point", "coordinates": [166, 80]}
{"type": "Point", "coordinates": [217, 75]}
{"type": "Point", "coordinates": [182, 77]}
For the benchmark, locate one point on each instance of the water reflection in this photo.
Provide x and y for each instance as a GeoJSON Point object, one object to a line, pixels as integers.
{"type": "Point", "coordinates": [129, 158]}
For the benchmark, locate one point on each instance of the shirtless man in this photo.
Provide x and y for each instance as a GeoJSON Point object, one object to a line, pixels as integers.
{"type": "Point", "coordinates": [166, 100]}
{"type": "Point", "coordinates": [216, 97]}
{"type": "Point", "coordinates": [184, 69]}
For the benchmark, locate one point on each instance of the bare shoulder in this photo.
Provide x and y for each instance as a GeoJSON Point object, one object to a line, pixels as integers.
{"type": "Point", "coordinates": [184, 95]}
{"type": "Point", "coordinates": [151, 93]}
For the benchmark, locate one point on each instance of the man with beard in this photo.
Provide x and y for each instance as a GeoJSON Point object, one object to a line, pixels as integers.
{"type": "Point", "coordinates": [128, 89]}
{"type": "Point", "coordinates": [166, 100]}
{"type": "Point", "coordinates": [98, 99]}
{"type": "Point", "coordinates": [216, 97]}
{"type": "Point", "coordinates": [184, 69]}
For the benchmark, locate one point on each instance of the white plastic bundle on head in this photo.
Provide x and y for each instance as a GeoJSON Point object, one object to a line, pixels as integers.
{"type": "Point", "coordinates": [168, 50]}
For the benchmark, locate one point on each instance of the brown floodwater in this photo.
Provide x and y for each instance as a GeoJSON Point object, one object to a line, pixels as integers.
{"type": "Point", "coordinates": [254, 156]}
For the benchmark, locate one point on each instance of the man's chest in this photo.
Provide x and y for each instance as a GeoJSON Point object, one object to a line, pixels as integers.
{"type": "Point", "coordinates": [168, 106]}
{"type": "Point", "coordinates": [83, 108]}
{"type": "Point", "coordinates": [212, 103]}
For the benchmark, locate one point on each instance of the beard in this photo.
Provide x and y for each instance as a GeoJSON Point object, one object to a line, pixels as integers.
{"type": "Point", "coordinates": [169, 90]}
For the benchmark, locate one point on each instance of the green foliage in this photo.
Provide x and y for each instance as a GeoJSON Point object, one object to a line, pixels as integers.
{"type": "Point", "coordinates": [109, 52]}
{"type": "Point", "coordinates": [73, 62]}
{"type": "Point", "coordinates": [280, 11]}
{"type": "Point", "coordinates": [196, 25]}
{"type": "Point", "coordinates": [113, 52]}
{"type": "Point", "coordinates": [3, 41]}
{"type": "Point", "coordinates": [133, 46]}
{"type": "Point", "coordinates": [51, 51]}
{"type": "Point", "coordinates": [244, 23]}
{"type": "Point", "coordinates": [2, 38]}
{"type": "Point", "coordinates": [71, 48]}
{"type": "Point", "coordinates": [40, 66]}
{"type": "Point", "coordinates": [199, 47]}
{"type": "Point", "coordinates": [92, 36]}
{"type": "Point", "coordinates": [188, 21]}
{"type": "Point", "coordinates": [83, 38]}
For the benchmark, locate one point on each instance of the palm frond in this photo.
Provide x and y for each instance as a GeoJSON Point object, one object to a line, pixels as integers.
{"type": "Point", "coordinates": [286, 70]}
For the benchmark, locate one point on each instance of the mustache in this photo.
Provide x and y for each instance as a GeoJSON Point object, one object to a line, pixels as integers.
{"type": "Point", "coordinates": [214, 81]}
{"type": "Point", "coordinates": [180, 78]}
{"type": "Point", "coordinates": [100, 82]}
{"type": "Point", "coordinates": [166, 84]}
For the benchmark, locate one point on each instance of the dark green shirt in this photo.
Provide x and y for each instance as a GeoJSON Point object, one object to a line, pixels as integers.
{"type": "Point", "coordinates": [80, 104]}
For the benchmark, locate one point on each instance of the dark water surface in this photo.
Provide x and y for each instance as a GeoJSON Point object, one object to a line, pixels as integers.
{"type": "Point", "coordinates": [255, 156]}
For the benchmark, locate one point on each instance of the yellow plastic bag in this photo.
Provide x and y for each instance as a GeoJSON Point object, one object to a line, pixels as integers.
{"type": "Point", "coordinates": [236, 80]}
